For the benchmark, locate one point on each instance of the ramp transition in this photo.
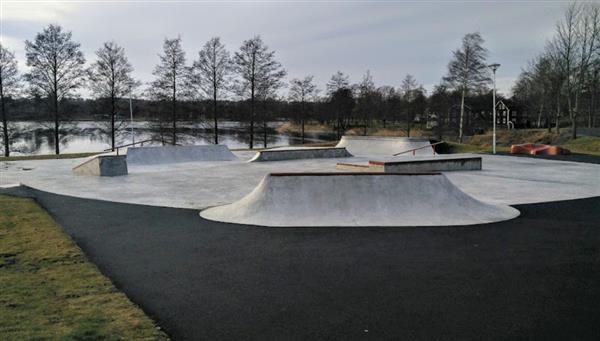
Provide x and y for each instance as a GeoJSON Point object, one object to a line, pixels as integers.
{"type": "Point", "coordinates": [385, 146]}
{"type": "Point", "coordinates": [154, 155]}
{"type": "Point", "coordinates": [282, 154]}
{"type": "Point", "coordinates": [358, 199]}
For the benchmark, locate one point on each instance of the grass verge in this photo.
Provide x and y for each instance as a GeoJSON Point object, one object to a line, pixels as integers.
{"type": "Point", "coordinates": [51, 291]}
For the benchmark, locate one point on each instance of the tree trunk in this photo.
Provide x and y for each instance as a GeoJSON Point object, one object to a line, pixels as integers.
{"type": "Point", "coordinates": [558, 114]}
{"type": "Point", "coordinates": [215, 115]}
{"type": "Point", "coordinates": [252, 116]}
{"type": "Point", "coordinates": [462, 114]}
{"type": "Point", "coordinates": [539, 118]}
{"type": "Point", "coordinates": [265, 132]}
{"type": "Point", "coordinates": [56, 135]}
{"type": "Point", "coordinates": [302, 120]}
{"type": "Point", "coordinates": [573, 116]}
{"type": "Point", "coordinates": [4, 123]}
{"type": "Point", "coordinates": [174, 116]}
{"type": "Point", "coordinates": [112, 122]}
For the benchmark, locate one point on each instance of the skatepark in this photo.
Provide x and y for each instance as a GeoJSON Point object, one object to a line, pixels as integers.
{"type": "Point", "coordinates": [375, 237]}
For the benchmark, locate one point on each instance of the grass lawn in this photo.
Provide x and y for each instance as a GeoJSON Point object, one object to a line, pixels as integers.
{"type": "Point", "coordinates": [49, 290]}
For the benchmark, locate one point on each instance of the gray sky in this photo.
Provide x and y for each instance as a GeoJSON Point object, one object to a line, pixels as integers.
{"type": "Point", "coordinates": [389, 38]}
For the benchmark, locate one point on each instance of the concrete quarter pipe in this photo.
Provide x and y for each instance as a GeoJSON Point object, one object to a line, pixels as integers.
{"type": "Point", "coordinates": [378, 145]}
{"type": "Point", "coordinates": [358, 199]}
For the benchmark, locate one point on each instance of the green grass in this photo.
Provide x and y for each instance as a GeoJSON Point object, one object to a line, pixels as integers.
{"type": "Point", "coordinates": [584, 145]}
{"type": "Point", "coordinates": [47, 157]}
{"type": "Point", "coordinates": [49, 290]}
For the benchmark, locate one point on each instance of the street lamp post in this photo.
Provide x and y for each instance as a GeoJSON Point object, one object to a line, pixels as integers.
{"type": "Point", "coordinates": [494, 67]}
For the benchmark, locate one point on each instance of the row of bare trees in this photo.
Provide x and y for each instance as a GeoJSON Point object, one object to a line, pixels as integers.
{"type": "Point", "coordinates": [57, 69]}
{"type": "Point", "coordinates": [252, 75]}
{"type": "Point", "coordinates": [563, 79]}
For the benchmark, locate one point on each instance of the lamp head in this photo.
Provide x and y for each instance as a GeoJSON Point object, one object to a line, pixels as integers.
{"type": "Point", "coordinates": [494, 66]}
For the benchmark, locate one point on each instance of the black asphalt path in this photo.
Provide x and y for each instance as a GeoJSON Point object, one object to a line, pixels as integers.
{"type": "Point", "coordinates": [536, 277]}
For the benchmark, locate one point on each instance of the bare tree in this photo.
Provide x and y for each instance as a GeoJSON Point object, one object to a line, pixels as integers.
{"type": "Point", "coordinates": [9, 85]}
{"type": "Point", "coordinates": [210, 73]}
{"type": "Point", "coordinates": [467, 71]}
{"type": "Point", "coordinates": [366, 100]}
{"type": "Point", "coordinates": [259, 73]}
{"type": "Point", "coordinates": [410, 91]}
{"type": "Point", "coordinates": [302, 90]}
{"type": "Point", "coordinates": [55, 68]}
{"type": "Point", "coordinates": [338, 81]}
{"type": "Point", "coordinates": [110, 78]}
{"type": "Point", "coordinates": [171, 75]}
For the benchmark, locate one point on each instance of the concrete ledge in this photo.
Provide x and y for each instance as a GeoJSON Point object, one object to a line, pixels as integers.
{"type": "Point", "coordinates": [300, 153]}
{"type": "Point", "coordinates": [156, 155]}
{"type": "Point", "coordinates": [434, 164]}
{"type": "Point", "coordinates": [429, 165]}
{"type": "Point", "coordinates": [103, 165]}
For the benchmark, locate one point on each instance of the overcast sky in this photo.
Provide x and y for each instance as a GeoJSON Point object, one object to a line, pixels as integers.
{"type": "Point", "coordinates": [388, 38]}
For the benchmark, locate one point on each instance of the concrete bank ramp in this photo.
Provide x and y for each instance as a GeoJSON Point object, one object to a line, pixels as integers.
{"type": "Point", "coordinates": [358, 199]}
{"type": "Point", "coordinates": [380, 145]}
{"type": "Point", "coordinates": [174, 154]}
{"type": "Point", "coordinates": [102, 165]}
{"type": "Point", "coordinates": [298, 153]}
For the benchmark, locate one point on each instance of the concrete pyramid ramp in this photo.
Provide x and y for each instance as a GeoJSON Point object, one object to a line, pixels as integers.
{"type": "Point", "coordinates": [358, 199]}
{"type": "Point", "coordinates": [174, 154]}
{"type": "Point", "coordinates": [388, 146]}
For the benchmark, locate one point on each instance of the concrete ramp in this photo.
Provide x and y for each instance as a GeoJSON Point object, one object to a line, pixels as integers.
{"type": "Point", "coordinates": [102, 165]}
{"type": "Point", "coordinates": [281, 154]}
{"type": "Point", "coordinates": [358, 199]}
{"type": "Point", "coordinates": [388, 146]}
{"type": "Point", "coordinates": [175, 154]}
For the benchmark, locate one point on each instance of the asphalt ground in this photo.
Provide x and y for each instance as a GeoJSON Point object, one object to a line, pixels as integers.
{"type": "Point", "coordinates": [533, 277]}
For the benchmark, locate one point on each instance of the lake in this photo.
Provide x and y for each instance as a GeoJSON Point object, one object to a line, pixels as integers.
{"type": "Point", "coordinates": [32, 138]}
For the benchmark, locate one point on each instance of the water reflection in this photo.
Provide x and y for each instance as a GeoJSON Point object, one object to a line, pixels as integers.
{"type": "Point", "coordinates": [94, 136]}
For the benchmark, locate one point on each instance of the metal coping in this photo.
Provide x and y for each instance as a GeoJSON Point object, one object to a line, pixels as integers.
{"type": "Point", "coordinates": [351, 174]}
{"type": "Point", "coordinates": [384, 163]}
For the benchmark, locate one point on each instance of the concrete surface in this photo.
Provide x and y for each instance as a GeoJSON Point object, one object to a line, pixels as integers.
{"type": "Point", "coordinates": [176, 154]}
{"type": "Point", "coordinates": [358, 199]}
{"type": "Point", "coordinates": [504, 180]}
{"type": "Point", "coordinates": [387, 146]}
{"type": "Point", "coordinates": [535, 277]}
{"type": "Point", "coordinates": [282, 154]}
{"type": "Point", "coordinates": [103, 165]}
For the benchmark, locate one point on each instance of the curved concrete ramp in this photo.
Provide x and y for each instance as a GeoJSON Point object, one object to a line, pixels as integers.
{"type": "Point", "coordinates": [379, 145]}
{"type": "Point", "coordinates": [174, 154]}
{"type": "Point", "coordinates": [358, 199]}
{"type": "Point", "coordinates": [282, 154]}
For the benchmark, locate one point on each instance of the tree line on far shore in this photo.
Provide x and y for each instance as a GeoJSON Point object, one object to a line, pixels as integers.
{"type": "Point", "coordinates": [248, 84]}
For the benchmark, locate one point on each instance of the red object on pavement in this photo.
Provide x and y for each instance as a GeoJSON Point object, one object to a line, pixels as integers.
{"type": "Point", "coordinates": [538, 149]}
